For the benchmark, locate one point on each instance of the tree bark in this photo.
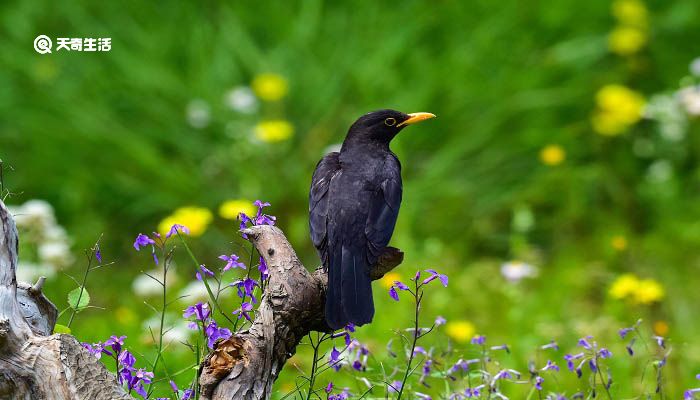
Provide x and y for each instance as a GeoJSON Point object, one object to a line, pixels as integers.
{"type": "Point", "coordinates": [37, 365]}
{"type": "Point", "coordinates": [33, 363]}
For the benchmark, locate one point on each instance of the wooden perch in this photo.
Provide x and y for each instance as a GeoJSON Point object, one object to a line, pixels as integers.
{"type": "Point", "coordinates": [246, 365]}
{"type": "Point", "coordinates": [37, 365]}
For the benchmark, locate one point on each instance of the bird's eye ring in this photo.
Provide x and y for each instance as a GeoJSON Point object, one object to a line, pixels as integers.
{"type": "Point", "coordinates": [390, 122]}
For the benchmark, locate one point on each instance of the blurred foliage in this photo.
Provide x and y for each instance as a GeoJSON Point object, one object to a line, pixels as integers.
{"type": "Point", "coordinates": [512, 168]}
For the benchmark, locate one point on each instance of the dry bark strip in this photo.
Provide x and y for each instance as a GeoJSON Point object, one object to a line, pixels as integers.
{"type": "Point", "coordinates": [36, 365]}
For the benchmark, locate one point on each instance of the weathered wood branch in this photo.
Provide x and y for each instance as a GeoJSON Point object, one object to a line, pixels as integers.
{"type": "Point", "coordinates": [37, 365]}
{"type": "Point", "coordinates": [34, 365]}
{"type": "Point", "coordinates": [246, 366]}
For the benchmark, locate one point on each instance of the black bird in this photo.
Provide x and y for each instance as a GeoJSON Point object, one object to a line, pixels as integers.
{"type": "Point", "coordinates": [353, 205]}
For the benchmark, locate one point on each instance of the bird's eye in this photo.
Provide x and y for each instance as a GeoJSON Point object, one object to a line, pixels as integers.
{"type": "Point", "coordinates": [390, 122]}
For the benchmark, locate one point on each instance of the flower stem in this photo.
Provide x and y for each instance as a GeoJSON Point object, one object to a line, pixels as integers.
{"type": "Point", "coordinates": [82, 289]}
{"type": "Point", "coordinates": [417, 296]}
{"type": "Point", "coordinates": [204, 280]}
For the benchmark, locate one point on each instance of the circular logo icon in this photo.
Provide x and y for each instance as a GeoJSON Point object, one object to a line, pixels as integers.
{"type": "Point", "coordinates": [42, 44]}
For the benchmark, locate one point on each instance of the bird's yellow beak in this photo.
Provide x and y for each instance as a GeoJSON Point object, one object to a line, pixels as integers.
{"type": "Point", "coordinates": [416, 117]}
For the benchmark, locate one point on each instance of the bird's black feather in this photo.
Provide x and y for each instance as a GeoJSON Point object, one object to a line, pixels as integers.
{"type": "Point", "coordinates": [353, 206]}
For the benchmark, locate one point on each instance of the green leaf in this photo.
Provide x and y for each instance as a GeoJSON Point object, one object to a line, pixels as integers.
{"type": "Point", "coordinates": [73, 299]}
{"type": "Point", "coordinates": [61, 328]}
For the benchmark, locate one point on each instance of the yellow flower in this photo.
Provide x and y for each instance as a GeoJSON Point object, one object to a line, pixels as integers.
{"type": "Point", "coordinates": [619, 243]}
{"type": "Point", "coordinates": [231, 208]}
{"type": "Point", "coordinates": [648, 291]}
{"type": "Point", "coordinates": [195, 218]}
{"type": "Point", "coordinates": [660, 328]}
{"type": "Point", "coordinates": [624, 286]}
{"type": "Point", "coordinates": [626, 40]}
{"type": "Point", "coordinates": [388, 279]}
{"type": "Point", "coordinates": [552, 155]}
{"type": "Point", "coordinates": [618, 108]}
{"type": "Point", "coordinates": [270, 87]}
{"type": "Point", "coordinates": [274, 130]}
{"type": "Point", "coordinates": [460, 331]}
{"type": "Point", "coordinates": [638, 291]}
{"type": "Point", "coordinates": [630, 12]}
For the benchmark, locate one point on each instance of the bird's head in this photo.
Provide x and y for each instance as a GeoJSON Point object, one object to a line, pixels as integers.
{"type": "Point", "coordinates": [382, 125]}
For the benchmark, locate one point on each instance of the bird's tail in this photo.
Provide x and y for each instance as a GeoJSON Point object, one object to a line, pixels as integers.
{"type": "Point", "coordinates": [335, 316]}
{"type": "Point", "coordinates": [349, 297]}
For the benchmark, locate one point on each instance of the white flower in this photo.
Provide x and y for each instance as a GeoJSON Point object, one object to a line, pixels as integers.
{"type": "Point", "coordinates": [56, 254]}
{"type": "Point", "coordinates": [34, 214]}
{"type": "Point", "coordinates": [690, 99]}
{"type": "Point", "coordinates": [514, 271]}
{"type": "Point", "coordinates": [241, 99]}
{"type": "Point", "coordinates": [198, 115]}
{"type": "Point", "coordinates": [695, 67]}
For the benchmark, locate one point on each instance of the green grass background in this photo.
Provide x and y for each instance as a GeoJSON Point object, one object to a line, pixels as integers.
{"type": "Point", "coordinates": [104, 138]}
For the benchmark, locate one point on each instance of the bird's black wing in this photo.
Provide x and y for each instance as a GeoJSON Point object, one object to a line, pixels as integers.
{"type": "Point", "coordinates": [327, 168]}
{"type": "Point", "coordinates": [384, 209]}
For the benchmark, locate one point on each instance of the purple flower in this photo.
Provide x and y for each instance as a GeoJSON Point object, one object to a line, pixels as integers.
{"type": "Point", "coordinates": [214, 333]}
{"type": "Point", "coordinates": [244, 310]}
{"type": "Point", "coordinates": [395, 386]}
{"type": "Point", "coordinates": [246, 287]}
{"type": "Point", "coordinates": [435, 275]}
{"type": "Point", "coordinates": [98, 254]}
{"type": "Point", "coordinates": [258, 219]}
{"type": "Point", "coordinates": [334, 359]}
{"type": "Point", "coordinates": [127, 360]}
{"type": "Point", "coordinates": [415, 278]}
{"type": "Point", "coordinates": [479, 340]}
{"type": "Point", "coordinates": [177, 228]}
{"type": "Point", "coordinates": [463, 364]}
{"type": "Point", "coordinates": [690, 393]}
{"type": "Point", "coordinates": [660, 341]}
{"type": "Point", "coordinates": [393, 293]}
{"type": "Point", "coordinates": [400, 285]}
{"type": "Point", "coordinates": [583, 342]}
{"type": "Point", "coordinates": [604, 353]}
{"type": "Point", "coordinates": [570, 360]}
{"type": "Point", "coordinates": [116, 342]}
{"type": "Point", "coordinates": [173, 385]}
{"type": "Point", "coordinates": [503, 374]}
{"type": "Point", "coordinates": [344, 395]}
{"type": "Point", "coordinates": [231, 262]}
{"type": "Point", "coordinates": [419, 350]}
{"type": "Point", "coordinates": [538, 382]}
{"type": "Point", "coordinates": [550, 366]}
{"type": "Point", "coordinates": [329, 388]}
{"type": "Point", "coordinates": [426, 369]}
{"type": "Point", "coordinates": [473, 392]}
{"type": "Point", "coordinates": [200, 311]}
{"type": "Point", "coordinates": [96, 349]}
{"type": "Point", "coordinates": [203, 271]}
{"type": "Point", "coordinates": [624, 331]}
{"type": "Point", "coordinates": [142, 241]}
{"type": "Point", "coordinates": [264, 271]}
{"type": "Point", "coordinates": [550, 345]}
{"type": "Point", "coordinates": [593, 365]}
{"type": "Point", "coordinates": [439, 320]}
